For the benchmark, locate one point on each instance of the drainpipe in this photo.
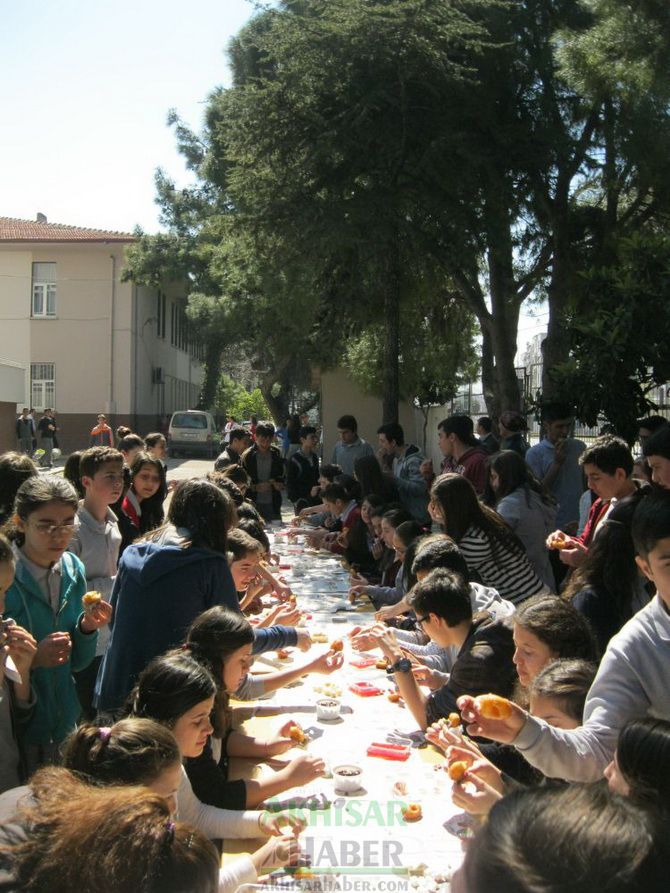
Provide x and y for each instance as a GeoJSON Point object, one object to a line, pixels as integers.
{"type": "Point", "coordinates": [110, 406]}
{"type": "Point", "coordinates": [136, 335]}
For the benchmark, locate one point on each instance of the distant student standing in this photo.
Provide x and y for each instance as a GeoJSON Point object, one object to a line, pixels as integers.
{"type": "Point", "coordinates": [350, 446]}
{"type": "Point", "coordinates": [25, 432]}
{"type": "Point", "coordinates": [265, 466]}
{"type": "Point", "coordinates": [46, 428]}
{"type": "Point", "coordinates": [96, 541]}
{"type": "Point", "coordinates": [101, 434]}
{"type": "Point", "coordinates": [555, 462]}
{"type": "Point", "coordinates": [302, 471]}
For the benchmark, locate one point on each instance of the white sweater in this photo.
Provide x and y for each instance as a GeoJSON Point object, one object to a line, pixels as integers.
{"type": "Point", "coordinates": [633, 681]}
{"type": "Point", "coordinates": [216, 823]}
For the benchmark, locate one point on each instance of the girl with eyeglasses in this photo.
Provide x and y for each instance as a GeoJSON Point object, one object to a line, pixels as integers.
{"type": "Point", "coordinates": [46, 599]}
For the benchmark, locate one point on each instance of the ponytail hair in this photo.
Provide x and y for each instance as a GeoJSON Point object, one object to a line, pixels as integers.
{"type": "Point", "coordinates": [211, 638]}
{"type": "Point", "coordinates": [132, 751]}
{"type": "Point", "coordinates": [169, 687]}
{"type": "Point", "coordinates": [84, 837]}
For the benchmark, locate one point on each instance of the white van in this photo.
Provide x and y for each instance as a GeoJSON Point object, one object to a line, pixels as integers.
{"type": "Point", "coordinates": [193, 431]}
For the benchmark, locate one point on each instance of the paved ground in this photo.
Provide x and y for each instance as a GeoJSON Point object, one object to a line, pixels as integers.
{"type": "Point", "coordinates": [183, 469]}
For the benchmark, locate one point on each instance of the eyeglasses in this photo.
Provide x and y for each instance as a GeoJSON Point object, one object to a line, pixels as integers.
{"type": "Point", "coordinates": [418, 623]}
{"type": "Point", "coordinates": [44, 528]}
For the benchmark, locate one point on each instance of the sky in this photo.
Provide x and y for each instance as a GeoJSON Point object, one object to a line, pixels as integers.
{"type": "Point", "coordinates": [85, 88]}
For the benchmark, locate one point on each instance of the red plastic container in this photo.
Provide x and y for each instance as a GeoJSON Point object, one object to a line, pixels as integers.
{"type": "Point", "coordinates": [365, 689]}
{"type": "Point", "coordinates": [399, 752]}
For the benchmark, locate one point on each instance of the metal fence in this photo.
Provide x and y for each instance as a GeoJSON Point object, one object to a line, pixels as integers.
{"type": "Point", "coordinates": [470, 401]}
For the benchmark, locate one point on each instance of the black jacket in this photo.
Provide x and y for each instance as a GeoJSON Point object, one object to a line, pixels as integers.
{"type": "Point", "coordinates": [276, 472]}
{"type": "Point", "coordinates": [302, 473]}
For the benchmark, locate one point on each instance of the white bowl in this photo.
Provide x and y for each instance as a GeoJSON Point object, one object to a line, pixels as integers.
{"type": "Point", "coordinates": [347, 777]}
{"type": "Point", "coordinates": [328, 708]}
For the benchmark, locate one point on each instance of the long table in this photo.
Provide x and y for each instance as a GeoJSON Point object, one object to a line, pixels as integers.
{"type": "Point", "coordinates": [360, 842]}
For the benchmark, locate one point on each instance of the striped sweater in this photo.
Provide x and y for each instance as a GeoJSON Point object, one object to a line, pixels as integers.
{"type": "Point", "coordinates": [502, 568]}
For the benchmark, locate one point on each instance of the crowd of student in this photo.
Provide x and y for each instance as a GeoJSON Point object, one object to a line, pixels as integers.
{"type": "Point", "coordinates": [483, 579]}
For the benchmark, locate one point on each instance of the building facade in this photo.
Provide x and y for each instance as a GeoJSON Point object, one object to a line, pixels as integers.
{"type": "Point", "coordinates": [88, 341]}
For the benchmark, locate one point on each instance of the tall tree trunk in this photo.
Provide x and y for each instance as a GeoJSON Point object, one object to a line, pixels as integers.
{"type": "Point", "coordinates": [213, 355]}
{"type": "Point", "coordinates": [391, 305]}
{"type": "Point", "coordinates": [556, 346]}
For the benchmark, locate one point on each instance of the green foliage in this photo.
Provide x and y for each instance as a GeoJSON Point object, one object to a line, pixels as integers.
{"type": "Point", "coordinates": [437, 353]}
{"type": "Point", "coordinates": [233, 399]}
{"type": "Point", "coordinates": [619, 349]}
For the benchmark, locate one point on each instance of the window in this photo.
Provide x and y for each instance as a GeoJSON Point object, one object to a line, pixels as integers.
{"type": "Point", "coordinates": [44, 290]}
{"type": "Point", "coordinates": [42, 385]}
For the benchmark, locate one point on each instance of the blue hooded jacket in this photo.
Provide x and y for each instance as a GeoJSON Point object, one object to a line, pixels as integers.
{"type": "Point", "coordinates": [159, 591]}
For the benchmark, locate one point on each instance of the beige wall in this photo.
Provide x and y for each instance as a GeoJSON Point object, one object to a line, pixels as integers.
{"type": "Point", "coordinates": [341, 396]}
{"type": "Point", "coordinates": [95, 310]}
{"type": "Point", "coordinates": [15, 274]}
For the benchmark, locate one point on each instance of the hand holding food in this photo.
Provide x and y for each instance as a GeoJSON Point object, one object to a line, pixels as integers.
{"type": "Point", "coordinates": [503, 728]}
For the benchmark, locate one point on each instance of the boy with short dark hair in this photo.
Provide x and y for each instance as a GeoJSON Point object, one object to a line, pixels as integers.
{"type": "Point", "coordinates": [406, 460]}
{"type": "Point", "coordinates": [554, 461]}
{"type": "Point", "coordinates": [350, 446]}
{"type": "Point", "coordinates": [657, 453]}
{"type": "Point", "coordinates": [238, 441]}
{"type": "Point", "coordinates": [631, 682]}
{"type": "Point", "coordinates": [96, 541]}
{"type": "Point", "coordinates": [265, 466]}
{"type": "Point", "coordinates": [302, 471]}
{"type": "Point", "coordinates": [485, 646]}
{"type": "Point", "coordinates": [607, 465]}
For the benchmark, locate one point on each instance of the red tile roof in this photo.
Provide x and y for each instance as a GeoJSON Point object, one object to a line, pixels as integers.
{"type": "Point", "coordinates": [15, 230]}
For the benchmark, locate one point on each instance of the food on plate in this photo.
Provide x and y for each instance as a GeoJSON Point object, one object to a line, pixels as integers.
{"type": "Point", "coordinates": [494, 707]}
{"type": "Point", "coordinates": [297, 734]}
{"type": "Point", "coordinates": [394, 697]}
{"type": "Point", "coordinates": [382, 663]}
{"type": "Point", "coordinates": [400, 789]}
{"type": "Point", "coordinates": [282, 654]}
{"type": "Point", "coordinates": [453, 720]}
{"type": "Point", "coordinates": [318, 638]}
{"type": "Point", "coordinates": [457, 770]}
{"type": "Point", "coordinates": [337, 645]}
{"type": "Point", "coordinates": [329, 689]}
{"type": "Point", "coordinates": [90, 599]}
{"type": "Point", "coordinates": [412, 812]}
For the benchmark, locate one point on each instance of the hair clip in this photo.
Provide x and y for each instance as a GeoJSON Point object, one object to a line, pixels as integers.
{"type": "Point", "coordinates": [104, 733]}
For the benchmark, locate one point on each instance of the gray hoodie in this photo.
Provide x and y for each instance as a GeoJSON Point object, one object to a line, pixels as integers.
{"type": "Point", "coordinates": [532, 520]}
{"type": "Point", "coordinates": [411, 483]}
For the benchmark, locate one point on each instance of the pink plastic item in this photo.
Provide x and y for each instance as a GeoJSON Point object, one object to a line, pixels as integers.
{"type": "Point", "coordinates": [365, 689]}
{"type": "Point", "coordinates": [398, 752]}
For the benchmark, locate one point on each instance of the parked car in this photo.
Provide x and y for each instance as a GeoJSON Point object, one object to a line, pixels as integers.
{"type": "Point", "coordinates": [193, 431]}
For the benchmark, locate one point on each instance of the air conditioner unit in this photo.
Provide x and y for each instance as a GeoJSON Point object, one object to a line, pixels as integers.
{"type": "Point", "coordinates": [158, 375]}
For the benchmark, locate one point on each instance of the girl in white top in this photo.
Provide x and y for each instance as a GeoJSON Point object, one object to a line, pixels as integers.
{"type": "Point", "coordinates": [178, 692]}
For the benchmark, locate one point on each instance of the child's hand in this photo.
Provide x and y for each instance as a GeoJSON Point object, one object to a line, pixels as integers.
{"type": "Point", "coordinates": [272, 823]}
{"type": "Point", "coordinates": [432, 678]}
{"type": "Point", "coordinates": [281, 741]}
{"type": "Point", "coordinates": [285, 615]}
{"type": "Point", "coordinates": [275, 853]}
{"type": "Point", "coordinates": [304, 768]}
{"type": "Point", "coordinates": [53, 651]}
{"type": "Point", "coordinates": [477, 802]}
{"type": "Point", "coordinates": [326, 663]}
{"type": "Point", "coordinates": [22, 649]}
{"type": "Point", "coordinates": [100, 615]}
{"type": "Point", "coordinates": [304, 642]}
{"type": "Point", "coordinates": [478, 726]}
{"type": "Point", "coordinates": [377, 550]}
